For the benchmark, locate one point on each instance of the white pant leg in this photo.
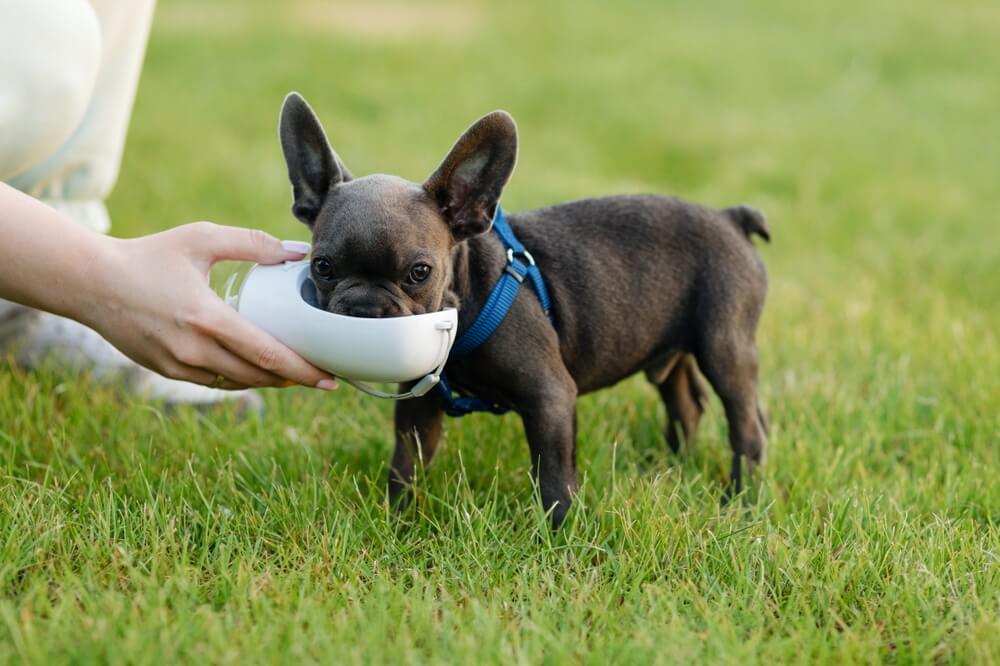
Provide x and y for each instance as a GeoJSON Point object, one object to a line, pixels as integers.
{"type": "Point", "coordinates": [80, 174]}
{"type": "Point", "coordinates": [68, 74]}
{"type": "Point", "coordinates": [49, 54]}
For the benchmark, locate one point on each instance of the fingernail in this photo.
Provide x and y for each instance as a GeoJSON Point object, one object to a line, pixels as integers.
{"type": "Point", "coordinates": [326, 384]}
{"type": "Point", "coordinates": [298, 247]}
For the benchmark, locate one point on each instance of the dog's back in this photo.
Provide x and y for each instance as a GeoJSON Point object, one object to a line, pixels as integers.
{"type": "Point", "coordinates": [637, 277]}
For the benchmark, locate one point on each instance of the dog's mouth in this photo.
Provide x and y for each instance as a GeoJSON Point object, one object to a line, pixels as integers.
{"type": "Point", "coordinates": [366, 310]}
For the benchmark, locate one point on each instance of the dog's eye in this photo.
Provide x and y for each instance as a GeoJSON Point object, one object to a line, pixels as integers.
{"type": "Point", "coordinates": [418, 273]}
{"type": "Point", "coordinates": [322, 267]}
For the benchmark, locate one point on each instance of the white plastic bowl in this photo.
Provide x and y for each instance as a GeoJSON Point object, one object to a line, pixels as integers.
{"type": "Point", "coordinates": [281, 299]}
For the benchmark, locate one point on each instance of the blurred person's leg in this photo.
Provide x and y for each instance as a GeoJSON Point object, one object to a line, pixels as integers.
{"type": "Point", "coordinates": [78, 175]}
{"type": "Point", "coordinates": [50, 51]}
{"type": "Point", "coordinates": [69, 71]}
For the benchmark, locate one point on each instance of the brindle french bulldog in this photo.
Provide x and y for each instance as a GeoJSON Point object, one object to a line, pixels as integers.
{"type": "Point", "coordinates": [638, 283]}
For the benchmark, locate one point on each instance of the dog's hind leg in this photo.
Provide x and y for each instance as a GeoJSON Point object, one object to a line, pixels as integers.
{"type": "Point", "coordinates": [729, 361]}
{"type": "Point", "coordinates": [684, 397]}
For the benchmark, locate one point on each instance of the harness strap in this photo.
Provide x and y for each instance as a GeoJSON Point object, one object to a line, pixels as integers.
{"type": "Point", "coordinates": [514, 249]}
{"type": "Point", "coordinates": [456, 404]}
{"type": "Point", "coordinates": [494, 310]}
{"type": "Point", "coordinates": [520, 265]}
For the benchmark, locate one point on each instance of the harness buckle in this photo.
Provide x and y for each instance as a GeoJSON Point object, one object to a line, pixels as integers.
{"type": "Point", "coordinates": [524, 253]}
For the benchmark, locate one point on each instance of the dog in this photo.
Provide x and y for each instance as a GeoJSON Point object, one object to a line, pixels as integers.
{"type": "Point", "coordinates": [637, 282]}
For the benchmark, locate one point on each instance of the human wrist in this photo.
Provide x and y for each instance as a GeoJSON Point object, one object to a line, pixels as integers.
{"type": "Point", "coordinates": [100, 278]}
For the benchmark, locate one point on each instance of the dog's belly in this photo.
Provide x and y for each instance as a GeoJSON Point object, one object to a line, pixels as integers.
{"type": "Point", "coordinates": [604, 344]}
{"type": "Point", "coordinates": [609, 369]}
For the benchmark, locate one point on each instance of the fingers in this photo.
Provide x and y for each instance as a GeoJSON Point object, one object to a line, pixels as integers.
{"type": "Point", "coordinates": [260, 350]}
{"type": "Point", "coordinates": [187, 373]}
{"type": "Point", "coordinates": [213, 242]}
{"type": "Point", "coordinates": [237, 371]}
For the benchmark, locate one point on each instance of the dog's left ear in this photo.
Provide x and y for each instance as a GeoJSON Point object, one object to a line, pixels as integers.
{"type": "Point", "coordinates": [468, 183]}
{"type": "Point", "coordinates": [313, 168]}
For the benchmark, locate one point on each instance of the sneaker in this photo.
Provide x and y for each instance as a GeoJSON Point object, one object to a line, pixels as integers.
{"type": "Point", "coordinates": [14, 321]}
{"type": "Point", "coordinates": [36, 337]}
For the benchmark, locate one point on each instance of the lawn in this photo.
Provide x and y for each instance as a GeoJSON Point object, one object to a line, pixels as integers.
{"type": "Point", "coordinates": [868, 134]}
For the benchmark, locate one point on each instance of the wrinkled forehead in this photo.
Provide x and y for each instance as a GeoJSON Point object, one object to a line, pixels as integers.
{"type": "Point", "coordinates": [379, 217]}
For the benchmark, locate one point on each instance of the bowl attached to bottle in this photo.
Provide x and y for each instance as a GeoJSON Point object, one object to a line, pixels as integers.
{"type": "Point", "coordinates": [282, 300]}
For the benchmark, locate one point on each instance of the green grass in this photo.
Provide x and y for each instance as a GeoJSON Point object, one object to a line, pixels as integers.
{"type": "Point", "coordinates": [866, 131]}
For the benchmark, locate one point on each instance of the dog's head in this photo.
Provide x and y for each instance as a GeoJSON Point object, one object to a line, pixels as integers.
{"type": "Point", "coordinates": [382, 246]}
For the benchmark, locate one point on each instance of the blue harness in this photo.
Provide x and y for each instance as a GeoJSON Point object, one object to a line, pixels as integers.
{"type": "Point", "coordinates": [520, 265]}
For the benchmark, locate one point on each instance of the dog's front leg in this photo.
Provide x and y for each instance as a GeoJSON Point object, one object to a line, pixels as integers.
{"type": "Point", "coordinates": [418, 431]}
{"type": "Point", "coordinates": [550, 425]}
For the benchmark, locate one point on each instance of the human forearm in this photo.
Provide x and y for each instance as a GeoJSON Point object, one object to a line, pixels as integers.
{"type": "Point", "coordinates": [46, 258]}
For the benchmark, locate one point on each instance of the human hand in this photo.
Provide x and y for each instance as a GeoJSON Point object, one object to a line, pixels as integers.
{"type": "Point", "coordinates": [156, 306]}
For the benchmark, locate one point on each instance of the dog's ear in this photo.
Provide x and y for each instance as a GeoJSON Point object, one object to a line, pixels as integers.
{"type": "Point", "coordinates": [468, 183]}
{"type": "Point", "coordinates": [313, 167]}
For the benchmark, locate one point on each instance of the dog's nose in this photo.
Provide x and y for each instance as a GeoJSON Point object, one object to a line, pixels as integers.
{"type": "Point", "coordinates": [369, 311]}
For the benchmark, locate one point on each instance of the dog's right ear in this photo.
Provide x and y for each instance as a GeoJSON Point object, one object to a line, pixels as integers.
{"type": "Point", "coordinates": [313, 167]}
{"type": "Point", "coordinates": [468, 184]}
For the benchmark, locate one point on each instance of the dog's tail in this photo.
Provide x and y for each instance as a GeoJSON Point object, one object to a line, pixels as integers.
{"type": "Point", "coordinates": [749, 220]}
